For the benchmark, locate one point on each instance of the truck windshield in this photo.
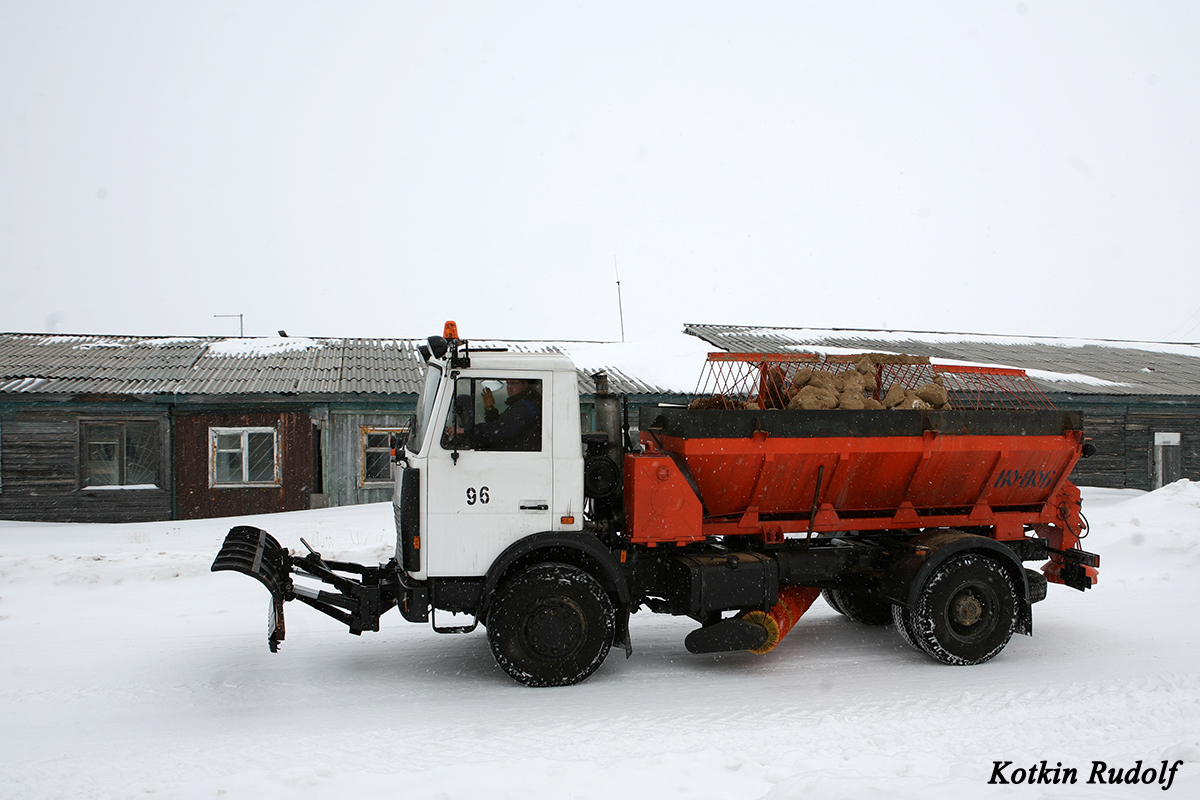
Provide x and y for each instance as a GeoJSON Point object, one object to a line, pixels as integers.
{"type": "Point", "coordinates": [424, 408]}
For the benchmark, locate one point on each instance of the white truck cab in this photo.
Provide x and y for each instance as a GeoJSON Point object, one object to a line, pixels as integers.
{"type": "Point", "coordinates": [488, 478]}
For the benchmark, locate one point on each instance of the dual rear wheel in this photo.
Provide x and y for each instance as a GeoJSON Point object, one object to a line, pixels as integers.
{"type": "Point", "coordinates": [860, 605]}
{"type": "Point", "coordinates": [965, 613]}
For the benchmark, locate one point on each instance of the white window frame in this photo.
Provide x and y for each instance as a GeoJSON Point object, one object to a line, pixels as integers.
{"type": "Point", "coordinates": [213, 433]}
{"type": "Point", "coordinates": [363, 481]}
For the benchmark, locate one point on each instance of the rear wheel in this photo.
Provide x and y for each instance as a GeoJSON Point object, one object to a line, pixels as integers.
{"type": "Point", "coordinates": [551, 625]}
{"type": "Point", "coordinates": [903, 619]}
{"type": "Point", "coordinates": [966, 612]}
{"type": "Point", "coordinates": [832, 599]}
{"type": "Point", "coordinates": [860, 605]}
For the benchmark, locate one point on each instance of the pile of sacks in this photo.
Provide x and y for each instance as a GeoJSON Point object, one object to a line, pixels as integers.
{"type": "Point", "coordinates": [716, 401]}
{"type": "Point", "coordinates": [815, 389]}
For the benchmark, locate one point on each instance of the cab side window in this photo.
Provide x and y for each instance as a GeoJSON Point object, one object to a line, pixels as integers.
{"type": "Point", "coordinates": [495, 414]}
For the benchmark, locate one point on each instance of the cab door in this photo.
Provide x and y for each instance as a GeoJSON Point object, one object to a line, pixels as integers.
{"type": "Point", "coordinates": [491, 477]}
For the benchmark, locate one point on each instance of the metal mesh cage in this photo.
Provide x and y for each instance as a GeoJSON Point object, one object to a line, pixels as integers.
{"type": "Point", "coordinates": [733, 380]}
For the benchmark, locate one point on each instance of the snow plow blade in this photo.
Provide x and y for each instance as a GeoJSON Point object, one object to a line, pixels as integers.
{"type": "Point", "coordinates": [357, 602]}
{"type": "Point", "coordinates": [256, 553]}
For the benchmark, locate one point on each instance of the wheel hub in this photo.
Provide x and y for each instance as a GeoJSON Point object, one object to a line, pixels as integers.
{"type": "Point", "coordinates": [966, 609]}
{"type": "Point", "coordinates": [554, 628]}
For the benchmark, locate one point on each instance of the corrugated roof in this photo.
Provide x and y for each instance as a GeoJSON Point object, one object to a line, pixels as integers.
{"type": "Point", "coordinates": [593, 357]}
{"type": "Point", "coordinates": [1058, 365]}
{"type": "Point", "coordinates": [49, 364]}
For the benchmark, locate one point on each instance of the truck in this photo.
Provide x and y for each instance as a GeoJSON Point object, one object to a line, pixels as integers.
{"type": "Point", "coordinates": [738, 517]}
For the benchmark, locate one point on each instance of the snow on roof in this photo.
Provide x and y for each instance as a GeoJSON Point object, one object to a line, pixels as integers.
{"type": "Point", "coordinates": [1038, 374]}
{"type": "Point", "coordinates": [254, 346]}
{"type": "Point", "coordinates": [18, 384]}
{"type": "Point", "coordinates": [659, 366]}
{"type": "Point", "coordinates": [32, 363]}
{"type": "Point", "coordinates": [804, 337]}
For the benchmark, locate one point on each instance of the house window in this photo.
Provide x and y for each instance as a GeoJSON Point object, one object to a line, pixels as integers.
{"type": "Point", "coordinates": [244, 457]}
{"type": "Point", "coordinates": [377, 454]}
{"type": "Point", "coordinates": [120, 454]}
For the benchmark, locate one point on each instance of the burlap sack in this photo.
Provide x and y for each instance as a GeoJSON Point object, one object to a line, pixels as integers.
{"type": "Point", "coordinates": [716, 401]}
{"type": "Point", "coordinates": [854, 382]}
{"type": "Point", "coordinates": [774, 389]}
{"type": "Point", "coordinates": [820, 379]}
{"type": "Point", "coordinates": [932, 394]}
{"type": "Point", "coordinates": [813, 398]}
{"type": "Point", "coordinates": [851, 400]}
{"type": "Point", "coordinates": [911, 403]}
{"type": "Point", "coordinates": [894, 396]}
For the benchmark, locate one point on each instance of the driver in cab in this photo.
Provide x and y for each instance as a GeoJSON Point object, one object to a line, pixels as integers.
{"type": "Point", "coordinates": [518, 427]}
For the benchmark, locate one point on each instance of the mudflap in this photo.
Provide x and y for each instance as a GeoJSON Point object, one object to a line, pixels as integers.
{"type": "Point", "coordinates": [254, 552]}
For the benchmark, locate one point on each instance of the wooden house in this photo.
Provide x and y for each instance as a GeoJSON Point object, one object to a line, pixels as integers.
{"type": "Point", "coordinates": [122, 429]}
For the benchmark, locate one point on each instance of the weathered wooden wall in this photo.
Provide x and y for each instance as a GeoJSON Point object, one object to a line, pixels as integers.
{"type": "Point", "coordinates": [343, 456]}
{"type": "Point", "coordinates": [41, 466]}
{"type": "Point", "coordinates": [1140, 426]}
{"type": "Point", "coordinates": [1123, 433]}
{"type": "Point", "coordinates": [196, 499]}
{"type": "Point", "coordinates": [1107, 467]}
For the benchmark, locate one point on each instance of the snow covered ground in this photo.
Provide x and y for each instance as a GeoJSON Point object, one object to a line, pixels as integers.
{"type": "Point", "coordinates": [127, 669]}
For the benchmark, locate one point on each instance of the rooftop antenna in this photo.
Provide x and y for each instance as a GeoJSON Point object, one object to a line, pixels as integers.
{"type": "Point", "coordinates": [241, 327]}
{"type": "Point", "coordinates": [620, 308]}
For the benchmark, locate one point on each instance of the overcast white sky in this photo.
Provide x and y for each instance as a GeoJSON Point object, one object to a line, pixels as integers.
{"type": "Point", "coordinates": [371, 169]}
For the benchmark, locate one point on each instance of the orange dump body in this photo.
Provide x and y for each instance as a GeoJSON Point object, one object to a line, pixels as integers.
{"type": "Point", "coordinates": [776, 473]}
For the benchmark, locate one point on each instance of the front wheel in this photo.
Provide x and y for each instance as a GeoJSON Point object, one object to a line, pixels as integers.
{"type": "Point", "coordinates": [551, 625]}
{"type": "Point", "coordinates": [966, 612]}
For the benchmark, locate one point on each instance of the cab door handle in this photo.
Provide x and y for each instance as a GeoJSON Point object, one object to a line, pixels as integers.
{"type": "Point", "coordinates": [537, 507]}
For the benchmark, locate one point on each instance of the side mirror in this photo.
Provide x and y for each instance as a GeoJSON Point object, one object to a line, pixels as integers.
{"type": "Point", "coordinates": [438, 346]}
{"type": "Point", "coordinates": [396, 442]}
